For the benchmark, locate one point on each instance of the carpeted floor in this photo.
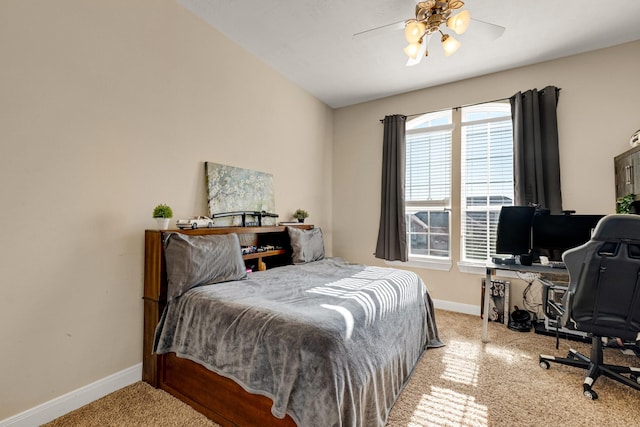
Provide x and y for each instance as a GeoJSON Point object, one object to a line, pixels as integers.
{"type": "Point", "coordinates": [466, 383]}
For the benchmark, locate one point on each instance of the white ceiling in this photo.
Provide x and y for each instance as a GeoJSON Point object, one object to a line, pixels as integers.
{"type": "Point", "coordinates": [311, 42]}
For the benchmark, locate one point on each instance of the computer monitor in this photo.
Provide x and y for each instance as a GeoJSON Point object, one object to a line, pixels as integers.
{"type": "Point", "coordinates": [513, 236]}
{"type": "Point", "coordinates": [554, 234]}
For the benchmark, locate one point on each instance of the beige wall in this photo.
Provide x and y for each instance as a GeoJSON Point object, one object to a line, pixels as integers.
{"type": "Point", "coordinates": [598, 111]}
{"type": "Point", "coordinates": [108, 108]}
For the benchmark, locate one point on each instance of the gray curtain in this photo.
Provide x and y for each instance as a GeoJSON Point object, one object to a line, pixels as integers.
{"type": "Point", "coordinates": [536, 160]}
{"type": "Point", "coordinates": [392, 237]}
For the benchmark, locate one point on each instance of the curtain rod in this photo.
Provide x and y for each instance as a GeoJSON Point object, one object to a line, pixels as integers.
{"type": "Point", "coordinates": [450, 108]}
{"type": "Point", "coordinates": [461, 106]}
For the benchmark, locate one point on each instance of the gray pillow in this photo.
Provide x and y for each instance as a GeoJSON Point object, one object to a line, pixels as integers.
{"type": "Point", "coordinates": [307, 245]}
{"type": "Point", "coordinates": [201, 260]}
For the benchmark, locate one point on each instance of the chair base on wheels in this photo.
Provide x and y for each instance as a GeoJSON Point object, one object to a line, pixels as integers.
{"type": "Point", "coordinates": [595, 366]}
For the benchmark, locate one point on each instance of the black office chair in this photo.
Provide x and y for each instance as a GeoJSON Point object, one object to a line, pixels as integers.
{"type": "Point", "coordinates": [603, 298]}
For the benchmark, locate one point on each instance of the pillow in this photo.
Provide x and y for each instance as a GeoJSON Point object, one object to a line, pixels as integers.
{"type": "Point", "coordinates": [307, 245]}
{"type": "Point", "coordinates": [201, 260]}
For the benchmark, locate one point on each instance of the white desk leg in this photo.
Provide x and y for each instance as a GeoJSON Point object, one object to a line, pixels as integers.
{"type": "Point", "coordinates": [487, 295]}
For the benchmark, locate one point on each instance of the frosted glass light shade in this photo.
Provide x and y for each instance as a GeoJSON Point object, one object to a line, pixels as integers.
{"type": "Point", "coordinates": [414, 30]}
{"type": "Point", "coordinates": [460, 22]}
{"type": "Point", "coordinates": [449, 44]}
{"type": "Point", "coordinates": [412, 50]}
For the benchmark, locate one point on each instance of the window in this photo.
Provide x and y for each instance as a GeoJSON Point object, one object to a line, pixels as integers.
{"type": "Point", "coordinates": [428, 185]}
{"type": "Point", "coordinates": [487, 176]}
{"type": "Point", "coordinates": [486, 184]}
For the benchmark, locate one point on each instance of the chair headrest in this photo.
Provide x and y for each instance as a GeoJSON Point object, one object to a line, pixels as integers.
{"type": "Point", "coordinates": [618, 227]}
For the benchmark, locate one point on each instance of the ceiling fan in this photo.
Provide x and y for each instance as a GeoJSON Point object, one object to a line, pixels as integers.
{"type": "Point", "coordinates": [430, 15]}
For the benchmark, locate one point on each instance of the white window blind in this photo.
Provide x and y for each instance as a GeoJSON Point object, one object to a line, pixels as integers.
{"type": "Point", "coordinates": [428, 167]}
{"type": "Point", "coordinates": [428, 185]}
{"type": "Point", "coordinates": [487, 176]}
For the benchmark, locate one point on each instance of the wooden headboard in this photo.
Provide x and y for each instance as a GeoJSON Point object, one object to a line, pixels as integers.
{"type": "Point", "coordinates": [155, 276]}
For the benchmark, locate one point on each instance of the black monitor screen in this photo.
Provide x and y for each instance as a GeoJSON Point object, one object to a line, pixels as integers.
{"type": "Point", "coordinates": [514, 230]}
{"type": "Point", "coordinates": [554, 234]}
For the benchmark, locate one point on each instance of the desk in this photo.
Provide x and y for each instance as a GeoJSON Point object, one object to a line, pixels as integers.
{"type": "Point", "coordinates": [491, 270]}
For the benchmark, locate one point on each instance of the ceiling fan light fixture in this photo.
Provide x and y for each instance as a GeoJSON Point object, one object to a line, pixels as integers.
{"type": "Point", "coordinates": [429, 18]}
{"type": "Point", "coordinates": [413, 49]}
{"type": "Point", "coordinates": [449, 44]}
{"type": "Point", "coordinates": [414, 30]}
{"type": "Point", "coordinates": [459, 22]}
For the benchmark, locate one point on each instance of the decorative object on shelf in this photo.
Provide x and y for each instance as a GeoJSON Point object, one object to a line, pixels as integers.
{"type": "Point", "coordinates": [162, 214]}
{"type": "Point", "coordinates": [625, 204]}
{"type": "Point", "coordinates": [635, 138]}
{"type": "Point", "coordinates": [257, 217]}
{"type": "Point", "coordinates": [232, 189]}
{"type": "Point", "coordinates": [195, 222]}
{"type": "Point", "coordinates": [300, 215]}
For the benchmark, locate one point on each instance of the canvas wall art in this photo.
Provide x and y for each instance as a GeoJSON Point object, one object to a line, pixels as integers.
{"type": "Point", "coordinates": [233, 189]}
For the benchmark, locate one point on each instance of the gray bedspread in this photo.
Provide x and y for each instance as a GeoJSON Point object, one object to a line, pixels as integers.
{"type": "Point", "coordinates": [331, 343]}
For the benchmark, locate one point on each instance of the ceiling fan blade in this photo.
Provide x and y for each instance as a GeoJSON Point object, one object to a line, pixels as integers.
{"type": "Point", "coordinates": [486, 29]}
{"type": "Point", "coordinates": [411, 62]}
{"type": "Point", "coordinates": [373, 32]}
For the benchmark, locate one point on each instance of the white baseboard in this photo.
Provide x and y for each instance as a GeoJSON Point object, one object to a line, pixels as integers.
{"type": "Point", "coordinates": [66, 403]}
{"type": "Point", "coordinates": [457, 307]}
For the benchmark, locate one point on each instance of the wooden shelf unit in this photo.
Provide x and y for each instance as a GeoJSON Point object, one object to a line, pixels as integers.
{"type": "Point", "coordinates": [264, 254]}
{"type": "Point", "coordinates": [259, 257]}
{"type": "Point", "coordinates": [627, 172]}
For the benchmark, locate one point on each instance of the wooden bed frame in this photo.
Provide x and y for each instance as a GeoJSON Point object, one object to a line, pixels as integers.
{"type": "Point", "coordinates": [217, 397]}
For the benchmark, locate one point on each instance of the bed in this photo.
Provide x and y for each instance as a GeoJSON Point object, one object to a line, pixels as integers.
{"type": "Point", "coordinates": [314, 343]}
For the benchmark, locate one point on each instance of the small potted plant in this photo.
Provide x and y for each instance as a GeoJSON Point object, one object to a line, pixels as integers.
{"type": "Point", "coordinates": [300, 215]}
{"type": "Point", "coordinates": [626, 204]}
{"type": "Point", "coordinates": [162, 214]}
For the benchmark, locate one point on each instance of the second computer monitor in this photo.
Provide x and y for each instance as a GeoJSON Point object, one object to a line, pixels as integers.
{"type": "Point", "coordinates": [513, 236]}
{"type": "Point", "coordinates": [554, 234]}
